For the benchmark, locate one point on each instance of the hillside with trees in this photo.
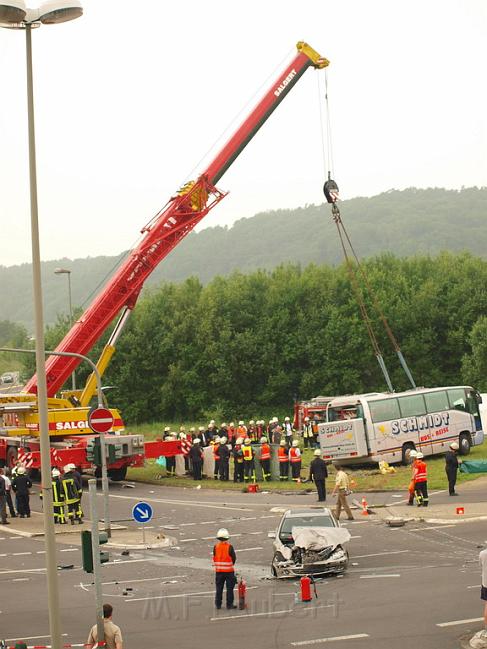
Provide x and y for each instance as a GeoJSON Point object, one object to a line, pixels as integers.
{"type": "Point", "coordinates": [403, 223]}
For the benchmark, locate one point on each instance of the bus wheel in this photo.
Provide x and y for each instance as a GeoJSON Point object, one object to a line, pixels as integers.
{"type": "Point", "coordinates": [465, 444]}
{"type": "Point", "coordinates": [406, 453]}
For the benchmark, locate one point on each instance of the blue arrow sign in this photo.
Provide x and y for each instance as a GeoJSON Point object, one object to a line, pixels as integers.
{"type": "Point", "coordinates": [142, 512]}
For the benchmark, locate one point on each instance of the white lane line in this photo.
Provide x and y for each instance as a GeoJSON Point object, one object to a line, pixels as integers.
{"type": "Point", "coordinates": [476, 586]}
{"type": "Point", "coordinates": [208, 538]}
{"type": "Point", "coordinates": [270, 516]}
{"type": "Point", "coordinates": [33, 637]}
{"type": "Point", "coordinates": [331, 639]}
{"type": "Point", "coordinates": [455, 622]}
{"type": "Point", "coordinates": [426, 529]}
{"type": "Point", "coordinates": [355, 537]}
{"type": "Point", "coordinates": [246, 615]}
{"type": "Point", "coordinates": [248, 518]}
{"type": "Point", "coordinates": [72, 549]}
{"type": "Point", "coordinates": [205, 593]}
{"type": "Point", "coordinates": [186, 524]}
{"type": "Point", "coordinates": [247, 549]}
{"type": "Point", "coordinates": [130, 581]}
{"type": "Point", "coordinates": [20, 554]}
{"type": "Point", "coordinates": [41, 552]}
{"type": "Point", "coordinates": [377, 576]}
{"type": "Point", "coordinates": [187, 540]}
{"type": "Point", "coordinates": [255, 532]}
{"type": "Point", "coordinates": [21, 579]}
{"type": "Point", "coordinates": [187, 503]}
{"type": "Point", "coordinates": [208, 523]}
{"type": "Point", "coordinates": [378, 554]}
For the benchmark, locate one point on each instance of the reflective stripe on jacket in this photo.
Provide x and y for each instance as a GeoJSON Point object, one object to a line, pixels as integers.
{"type": "Point", "coordinates": [247, 452]}
{"type": "Point", "coordinates": [222, 559]}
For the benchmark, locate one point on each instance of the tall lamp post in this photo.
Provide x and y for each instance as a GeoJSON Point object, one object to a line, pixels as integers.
{"type": "Point", "coordinates": [66, 271]}
{"type": "Point", "coordinates": [15, 15]}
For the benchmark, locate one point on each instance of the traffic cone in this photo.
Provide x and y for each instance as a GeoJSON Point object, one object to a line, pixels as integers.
{"type": "Point", "coordinates": [365, 509]}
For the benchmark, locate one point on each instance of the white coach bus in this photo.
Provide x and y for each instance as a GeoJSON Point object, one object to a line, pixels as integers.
{"type": "Point", "coordinates": [376, 427]}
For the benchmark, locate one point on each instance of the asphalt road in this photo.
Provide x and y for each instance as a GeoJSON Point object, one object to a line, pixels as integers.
{"type": "Point", "coordinates": [414, 587]}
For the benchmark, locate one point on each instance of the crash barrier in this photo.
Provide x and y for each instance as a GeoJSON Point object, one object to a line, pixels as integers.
{"type": "Point", "coordinates": [473, 466]}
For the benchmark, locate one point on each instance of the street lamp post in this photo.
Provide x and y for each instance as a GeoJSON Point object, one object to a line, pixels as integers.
{"type": "Point", "coordinates": [15, 15]}
{"type": "Point", "coordinates": [65, 271]}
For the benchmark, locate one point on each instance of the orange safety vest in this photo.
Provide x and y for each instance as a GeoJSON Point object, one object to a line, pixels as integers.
{"type": "Point", "coordinates": [265, 452]}
{"type": "Point", "coordinates": [222, 561]}
{"type": "Point", "coordinates": [247, 452]}
{"type": "Point", "coordinates": [420, 472]}
{"type": "Point", "coordinates": [294, 457]}
{"type": "Point", "coordinates": [283, 456]}
{"type": "Point", "coordinates": [216, 448]}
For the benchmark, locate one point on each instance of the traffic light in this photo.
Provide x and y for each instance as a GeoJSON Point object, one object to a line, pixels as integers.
{"type": "Point", "coordinates": [87, 549]}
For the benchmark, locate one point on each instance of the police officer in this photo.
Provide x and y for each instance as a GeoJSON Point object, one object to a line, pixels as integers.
{"type": "Point", "coordinates": [318, 473]}
{"type": "Point", "coordinates": [451, 467]}
{"type": "Point", "coordinates": [196, 457]}
{"type": "Point", "coordinates": [21, 485]}
{"type": "Point", "coordinates": [224, 559]}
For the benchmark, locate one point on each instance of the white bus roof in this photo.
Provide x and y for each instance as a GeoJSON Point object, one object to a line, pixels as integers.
{"type": "Point", "coordinates": [354, 399]}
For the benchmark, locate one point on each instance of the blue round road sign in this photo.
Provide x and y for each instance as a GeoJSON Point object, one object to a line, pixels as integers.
{"type": "Point", "coordinates": [142, 512]}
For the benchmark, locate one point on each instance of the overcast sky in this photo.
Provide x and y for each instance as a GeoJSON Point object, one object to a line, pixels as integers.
{"type": "Point", "coordinates": [131, 98]}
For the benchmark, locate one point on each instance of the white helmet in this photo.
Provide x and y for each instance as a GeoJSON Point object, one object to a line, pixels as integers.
{"type": "Point", "coordinates": [247, 440]}
{"type": "Point", "coordinates": [295, 442]}
{"type": "Point", "coordinates": [413, 453]}
{"type": "Point", "coordinates": [275, 420]}
{"type": "Point", "coordinates": [306, 419]}
{"type": "Point", "coordinates": [167, 429]}
{"type": "Point", "coordinates": [181, 429]}
{"type": "Point", "coordinates": [232, 424]}
{"type": "Point", "coordinates": [283, 442]}
{"type": "Point", "coordinates": [55, 473]}
{"type": "Point", "coordinates": [21, 470]}
{"type": "Point", "coordinates": [67, 468]}
{"type": "Point", "coordinates": [251, 422]}
{"type": "Point", "coordinates": [192, 429]}
{"type": "Point", "coordinates": [240, 423]}
{"type": "Point", "coordinates": [196, 440]}
{"type": "Point", "coordinates": [216, 439]}
{"type": "Point", "coordinates": [239, 440]}
{"type": "Point", "coordinates": [286, 419]}
{"type": "Point", "coordinates": [201, 428]}
{"type": "Point", "coordinates": [271, 421]}
{"type": "Point", "coordinates": [223, 425]}
{"type": "Point", "coordinates": [181, 436]}
{"type": "Point", "coordinates": [317, 452]}
{"type": "Point", "coordinates": [420, 456]}
{"type": "Point", "coordinates": [222, 533]}
{"type": "Point", "coordinates": [212, 422]}
{"type": "Point", "coordinates": [223, 440]}
{"type": "Point", "coordinates": [263, 440]}
{"type": "Point", "coordinates": [454, 446]}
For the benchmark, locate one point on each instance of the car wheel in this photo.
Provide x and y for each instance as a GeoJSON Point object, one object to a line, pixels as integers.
{"type": "Point", "coordinates": [465, 444]}
{"type": "Point", "coordinates": [406, 453]}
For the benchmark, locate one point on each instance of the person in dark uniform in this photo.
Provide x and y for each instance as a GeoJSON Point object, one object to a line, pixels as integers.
{"type": "Point", "coordinates": [196, 457]}
{"type": "Point", "coordinates": [451, 467]}
{"type": "Point", "coordinates": [224, 453]}
{"type": "Point", "coordinates": [224, 558]}
{"type": "Point", "coordinates": [21, 485]}
{"type": "Point", "coordinates": [70, 495]}
{"type": "Point", "coordinates": [318, 473]}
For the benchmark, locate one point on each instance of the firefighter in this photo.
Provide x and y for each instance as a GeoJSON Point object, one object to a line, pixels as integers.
{"type": "Point", "coordinates": [421, 481]}
{"type": "Point", "coordinates": [265, 458]}
{"type": "Point", "coordinates": [224, 453]}
{"type": "Point", "coordinates": [318, 473]}
{"type": "Point", "coordinates": [71, 496]}
{"type": "Point", "coordinates": [167, 432]}
{"type": "Point", "coordinates": [78, 481]}
{"type": "Point", "coordinates": [283, 456]}
{"type": "Point", "coordinates": [451, 467]}
{"type": "Point", "coordinates": [288, 430]}
{"type": "Point", "coordinates": [315, 429]}
{"type": "Point", "coordinates": [412, 455]}
{"type": "Point", "coordinates": [216, 457]}
{"type": "Point", "coordinates": [196, 457]}
{"type": "Point", "coordinates": [171, 459]}
{"type": "Point", "coordinates": [224, 559]}
{"type": "Point", "coordinates": [223, 432]}
{"type": "Point", "coordinates": [295, 461]}
{"type": "Point", "coordinates": [57, 498]}
{"type": "Point", "coordinates": [252, 431]}
{"type": "Point", "coordinates": [248, 460]}
{"type": "Point", "coordinates": [242, 429]}
{"type": "Point", "coordinates": [307, 433]}
{"type": "Point", "coordinates": [21, 485]}
{"type": "Point", "coordinates": [238, 461]}
{"type": "Point", "coordinates": [231, 433]}
{"type": "Point", "coordinates": [259, 428]}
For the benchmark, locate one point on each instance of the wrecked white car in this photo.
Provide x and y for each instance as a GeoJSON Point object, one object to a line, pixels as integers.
{"type": "Point", "coordinates": [309, 542]}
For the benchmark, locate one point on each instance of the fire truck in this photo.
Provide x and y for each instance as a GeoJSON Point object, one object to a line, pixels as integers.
{"type": "Point", "coordinates": [315, 409]}
{"type": "Point", "coordinates": [72, 440]}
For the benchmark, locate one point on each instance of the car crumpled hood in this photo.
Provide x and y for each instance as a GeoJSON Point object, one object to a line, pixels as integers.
{"type": "Point", "coordinates": [315, 539]}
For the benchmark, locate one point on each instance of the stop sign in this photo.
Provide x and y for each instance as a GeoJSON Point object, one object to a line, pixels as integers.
{"type": "Point", "coordinates": [100, 420]}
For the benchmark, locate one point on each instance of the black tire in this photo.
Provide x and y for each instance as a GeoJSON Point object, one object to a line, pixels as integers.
{"type": "Point", "coordinates": [117, 474]}
{"type": "Point", "coordinates": [465, 444]}
{"type": "Point", "coordinates": [406, 450]}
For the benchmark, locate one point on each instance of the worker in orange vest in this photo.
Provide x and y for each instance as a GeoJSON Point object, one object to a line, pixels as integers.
{"type": "Point", "coordinates": [412, 454]}
{"type": "Point", "coordinates": [283, 456]}
{"type": "Point", "coordinates": [295, 461]}
{"type": "Point", "coordinates": [265, 458]}
{"type": "Point", "coordinates": [224, 558]}
{"type": "Point", "coordinates": [248, 458]}
{"type": "Point", "coordinates": [216, 456]}
{"type": "Point", "coordinates": [421, 481]}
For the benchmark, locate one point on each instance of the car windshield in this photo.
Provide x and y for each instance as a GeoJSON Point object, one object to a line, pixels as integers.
{"type": "Point", "coordinates": [304, 521]}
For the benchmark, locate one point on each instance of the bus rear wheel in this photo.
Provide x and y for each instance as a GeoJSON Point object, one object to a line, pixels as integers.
{"type": "Point", "coordinates": [406, 453]}
{"type": "Point", "coordinates": [465, 444]}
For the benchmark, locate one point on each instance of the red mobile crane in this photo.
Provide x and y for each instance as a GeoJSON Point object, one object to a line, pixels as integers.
{"type": "Point", "coordinates": [176, 219]}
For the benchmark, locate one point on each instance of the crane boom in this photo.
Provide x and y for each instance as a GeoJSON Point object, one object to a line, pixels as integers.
{"type": "Point", "coordinates": [176, 219]}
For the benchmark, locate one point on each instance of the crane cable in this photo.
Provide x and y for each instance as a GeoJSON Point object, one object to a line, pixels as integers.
{"type": "Point", "coordinates": [332, 196]}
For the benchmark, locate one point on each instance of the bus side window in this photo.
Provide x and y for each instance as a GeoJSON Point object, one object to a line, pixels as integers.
{"type": "Point", "coordinates": [457, 400]}
{"type": "Point", "coordinates": [472, 403]}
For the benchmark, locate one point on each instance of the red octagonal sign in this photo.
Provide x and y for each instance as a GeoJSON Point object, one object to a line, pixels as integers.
{"type": "Point", "coordinates": [100, 420]}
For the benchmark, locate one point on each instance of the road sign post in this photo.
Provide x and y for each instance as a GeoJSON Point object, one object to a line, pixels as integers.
{"type": "Point", "coordinates": [142, 513]}
{"type": "Point", "coordinates": [96, 561]}
{"type": "Point", "coordinates": [100, 420]}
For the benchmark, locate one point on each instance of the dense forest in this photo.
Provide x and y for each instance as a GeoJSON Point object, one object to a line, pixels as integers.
{"type": "Point", "coordinates": [248, 343]}
{"type": "Point", "coordinates": [403, 223]}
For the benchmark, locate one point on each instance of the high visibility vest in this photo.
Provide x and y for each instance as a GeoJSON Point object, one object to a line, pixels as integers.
{"type": "Point", "coordinates": [307, 430]}
{"type": "Point", "coordinates": [294, 455]}
{"type": "Point", "coordinates": [216, 448]}
{"type": "Point", "coordinates": [283, 456]}
{"type": "Point", "coordinates": [420, 472]}
{"type": "Point", "coordinates": [247, 452]}
{"type": "Point", "coordinates": [265, 452]}
{"type": "Point", "coordinates": [222, 561]}
{"type": "Point", "coordinates": [70, 492]}
{"type": "Point", "coordinates": [57, 496]}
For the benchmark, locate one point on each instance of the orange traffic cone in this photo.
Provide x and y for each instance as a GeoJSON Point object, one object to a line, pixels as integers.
{"type": "Point", "coordinates": [365, 509]}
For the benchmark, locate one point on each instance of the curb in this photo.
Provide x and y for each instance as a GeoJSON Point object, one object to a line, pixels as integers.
{"type": "Point", "coordinates": [168, 542]}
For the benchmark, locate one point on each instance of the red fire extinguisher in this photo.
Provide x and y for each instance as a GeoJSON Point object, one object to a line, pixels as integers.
{"type": "Point", "coordinates": [306, 589]}
{"type": "Point", "coordinates": [242, 590]}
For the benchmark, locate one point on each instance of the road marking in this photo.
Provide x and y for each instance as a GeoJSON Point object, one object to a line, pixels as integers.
{"type": "Point", "coordinates": [247, 549]}
{"type": "Point", "coordinates": [33, 637]}
{"type": "Point", "coordinates": [246, 615]}
{"type": "Point", "coordinates": [270, 516]}
{"type": "Point", "coordinates": [208, 523]}
{"type": "Point", "coordinates": [129, 581]}
{"type": "Point", "coordinates": [186, 524]}
{"type": "Point", "coordinates": [21, 579]}
{"type": "Point", "coordinates": [333, 639]}
{"type": "Point", "coordinates": [187, 540]}
{"type": "Point", "coordinates": [70, 550]}
{"type": "Point", "coordinates": [426, 529]}
{"type": "Point", "coordinates": [476, 586]}
{"type": "Point", "coordinates": [187, 503]}
{"type": "Point", "coordinates": [20, 554]}
{"type": "Point", "coordinates": [207, 538]}
{"type": "Point", "coordinates": [455, 622]}
{"type": "Point", "coordinates": [203, 592]}
{"type": "Point", "coordinates": [377, 576]}
{"type": "Point", "coordinates": [248, 518]}
{"type": "Point", "coordinates": [378, 554]}
{"type": "Point", "coordinates": [254, 532]}
{"type": "Point", "coordinates": [355, 537]}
